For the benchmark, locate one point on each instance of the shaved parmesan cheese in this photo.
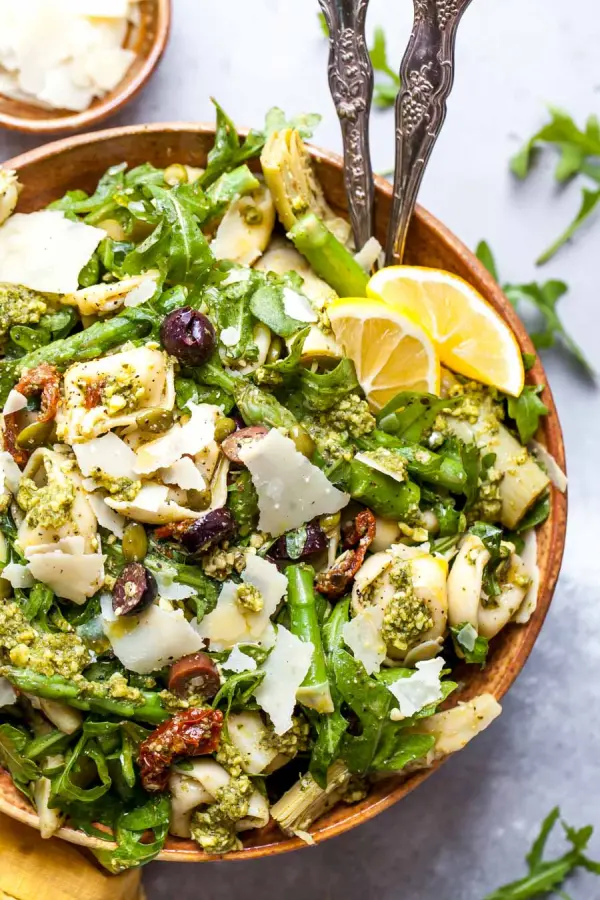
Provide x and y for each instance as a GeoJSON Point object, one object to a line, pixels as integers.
{"type": "Point", "coordinates": [384, 461]}
{"type": "Point", "coordinates": [169, 589]}
{"type": "Point", "coordinates": [363, 635]}
{"type": "Point", "coordinates": [152, 506]}
{"type": "Point", "coordinates": [107, 518]}
{"type": "Point", "coordinates": [14, 403]}
{"type": "Point", "coordinates": [230, 336]}
{"type": "Point", "coordinates": [184, 474]}
{"type": "Point", "coordinates": [19, 576]}
{"type": "Point", "coordinates": [291, 491]}
{"type": "Point", "coordinates": [8, 695]}
{"type": "Point", "coordinates": [72, 576]}
{"type": "Point", "coordinates": [297, 306]}
{"type": "Point", "coordinates": [418, 690]}
{"type": "Point", "coordinates": [179, 440]}
{"type": "Point", "coordinates": [285, 670]}
{"type": "Point", "coordinates": [108, 453]}
{"type": "Point", "coordinates": [368, 255]}
{"type": "Point", "coordinates": [229, 623]}
{"type": "Point", "coordinates": [549, 464]}
{"type": "Point", "coordinates": [238, 661]}
{"type": "Point", "coordinates": [144, 291]}
{"type": "Point", "coordinates": [153, 640]}
{"type": "Point", "coordinates": [10, 473]}
{"type": "Point", "coordinates": [45, 251]}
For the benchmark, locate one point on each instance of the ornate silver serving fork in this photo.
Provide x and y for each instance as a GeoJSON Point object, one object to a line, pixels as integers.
{"type": "Point", "coordinates": [351, 85]}
{"type": "Point", "coordinates": [427, 73]}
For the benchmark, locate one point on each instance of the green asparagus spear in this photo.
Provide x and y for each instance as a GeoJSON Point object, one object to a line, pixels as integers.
{"type": "Point", "coordinates": [435, 468]}
{"type": "Point", "coordinates": [55, 687]}
{"type": "Point", "coordinates": [314, 691]}
{"type": "Point", "coordinates": [381, 493]}
{"type": "Point", "coordinates": [88, 344]}
{"type": "Point", "coordinates": [328, 257]}
{"type": "Point", "coordinates": [260, 408]}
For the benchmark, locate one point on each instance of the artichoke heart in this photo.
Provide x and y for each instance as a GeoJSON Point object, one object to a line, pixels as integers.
{"type": "Point", "coordinates": [290, 176]}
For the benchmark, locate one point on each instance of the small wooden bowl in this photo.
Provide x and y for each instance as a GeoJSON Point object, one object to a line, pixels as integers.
{"type": "Point", "coordinates": [147, 39]}
{"type": "Point", "coordinates": [78, 162]}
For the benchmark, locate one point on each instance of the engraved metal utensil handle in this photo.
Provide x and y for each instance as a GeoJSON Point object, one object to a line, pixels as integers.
{"type": "Point", "coordinates": [427, 73]}
{"type": "Point", "coordinates": [351, 84]}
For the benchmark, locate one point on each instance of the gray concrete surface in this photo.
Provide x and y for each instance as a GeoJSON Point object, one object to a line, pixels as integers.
{"type": "Point", "coordinates": [466, 830]}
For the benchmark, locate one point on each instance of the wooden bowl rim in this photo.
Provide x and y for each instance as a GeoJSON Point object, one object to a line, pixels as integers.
{"type": "Point", "coordinates": [13, 804]}
{"type": "Point", "coordinates": [113, 101]}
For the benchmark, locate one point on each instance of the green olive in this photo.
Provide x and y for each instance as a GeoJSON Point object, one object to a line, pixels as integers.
{"type": "Point", "coordinates": [199, 500]}
{"type": "Point", "coordinates": [331, 522]}
{"type": "Point", "coordinates": [5, 589]}
{"type": "Point", "coordinates": [135, 543]}
{"type": "Point", "coordinates": [275, 349]}
{"type": "Point", "coordinates": [223, 429]}
{"type": "Point", "coordinates": [155, 421]}
{"type": "Point", "coordinates": [113, 229]}
{"type": "Point", "coordinates": [176, 174]}
{"type": "Point", "coordinates": [303, 441]}
{"type": "Point", "coordinates": [35, 435]}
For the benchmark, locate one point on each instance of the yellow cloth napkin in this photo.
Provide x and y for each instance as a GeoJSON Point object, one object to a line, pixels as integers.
{"type": "Point", "coordinates": [34, 869]}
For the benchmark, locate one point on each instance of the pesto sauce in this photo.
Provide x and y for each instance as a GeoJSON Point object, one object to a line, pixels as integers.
{"type": "Point", "coordinates": [48, 653]}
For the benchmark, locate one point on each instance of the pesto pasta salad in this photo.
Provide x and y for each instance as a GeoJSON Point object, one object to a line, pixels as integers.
{"type": "Point", "coordinates": [259, 497]}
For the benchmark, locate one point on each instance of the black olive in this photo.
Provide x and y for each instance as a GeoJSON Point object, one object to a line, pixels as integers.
{"type": "Point", "coordinates": [210, 529]}
{"type": "Point", "coordinates": [134, 591]}
{"type": "Point", "coordinates": [315, 542]}
{"type": "Point", "coordinates": [188, 335]}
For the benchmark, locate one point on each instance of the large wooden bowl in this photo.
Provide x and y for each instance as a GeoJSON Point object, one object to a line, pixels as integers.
{"type": "Point", "coordinates": [77, 163]}
{"type": "Point", "coordinates": [147, 38]}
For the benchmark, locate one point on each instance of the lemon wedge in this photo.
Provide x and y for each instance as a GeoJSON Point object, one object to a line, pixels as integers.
{"type": "Point", "coordinates": [390, 351]}
{"type": "Point", "coordinates": [469, 335]}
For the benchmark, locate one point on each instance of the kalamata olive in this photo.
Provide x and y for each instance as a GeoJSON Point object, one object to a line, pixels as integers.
{"type": "Point", "coordinates": [232, 445]}
{"type": "Point", "coordinates": [194, 674]}
{"type": "Point", "coordinates": [188, 335]}
{"type": "Point", "coordinates": [210, 529]}
{"type": "Point", "coordinates": [315, 542]}
{"type": "Point", "coordinates": [134, 591]}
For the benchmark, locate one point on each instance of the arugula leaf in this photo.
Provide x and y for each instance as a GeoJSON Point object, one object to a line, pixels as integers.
{"type": "Point", "coordinates": [577, 150]}
{"type": "Point", "coordinates": [242, 501]}
{"type": "Point", "coordinates": [491, 536]}
{"type": "Point", "coordinates": [132, 832]}
{"type": "Point", "coordinates": [536, 515]}
{"type": "Point", "coordinates": [474, 647]}
{"type": "Point", "coordinates": [267, 305]}
{"type": "Point", "coordinates": [230, 308]}
{"type": "Point", "coordinates": [544, 298]}
{"type": "Point", "coordinates": [187, 389]}
{"type": "Point", "coordinates": [546, 876]}
{"type": "Point", "coordinates": [65, 786]}
{"type": "Point", "coordinates": [284, 370]}
{"type": "Point", "coordinates": [527, 410]}
{"type": "Point", "coordinates": [384, 93]}
{"type": "Point", "coordinates": [589, 202]}
{"type": "Point", "coordinates": [304, 124]}
{"type": "Point", "coordinates": [410, 415]}
{"type": "Point", "coordinates": [189, 254]}
{"type": "Point", "coordinates": [12, 745]}
{"type": "Point", "coordinates": [323, 391]}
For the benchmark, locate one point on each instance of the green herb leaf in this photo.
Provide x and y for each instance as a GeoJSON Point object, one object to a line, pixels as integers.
{"type": "Point", "coordinates": [132, 833]}
{"type": "Point", "coordinates": [545, 877]}
{"type": "Point", "coordinates": [267, 305]}
{"type": "Point", "coordinates": [473, 646]}
{"type": "Point", "coordinates": [12, 746]}
{"type": "Point", "coordinates": [323, 391]}
{"type": "Point", "coordinates": [589, 202]}
{"type": "Point", "coordinates": [544, 299]}
{"type": "Point", "coordinates": [527, 410]}
{"type": "Point", "coordinates": [410, 415]}
{"type": "Point", "coordinates": [384, 93]}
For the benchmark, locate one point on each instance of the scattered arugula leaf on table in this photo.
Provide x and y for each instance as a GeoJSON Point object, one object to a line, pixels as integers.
{"type": "Point", "coordinates": [384, 92]}
{"type": "Point", "coordinates": [544, 877]}
{"type": "Point", "coordinates": [544, 298]}
{"type": "Point", "coordinates": [579, 155]}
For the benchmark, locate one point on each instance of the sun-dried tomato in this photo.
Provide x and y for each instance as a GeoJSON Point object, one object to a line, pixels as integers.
{"type": "Point", "coordinates": [172, 530]}
{"type": "Point", "coordinates": [93, 394]}
{"type": "Point", "coordinates": [359, 535]}
{"type": "Point", "coordinates": [191, 732]}
{"type": "Point", "coordinates": [45, 381]}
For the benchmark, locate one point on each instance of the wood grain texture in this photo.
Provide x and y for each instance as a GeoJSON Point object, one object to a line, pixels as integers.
{"type": "Point", "coordinates": [147, 39]}
{"type": "Point", "coordinates": [78, 162]}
